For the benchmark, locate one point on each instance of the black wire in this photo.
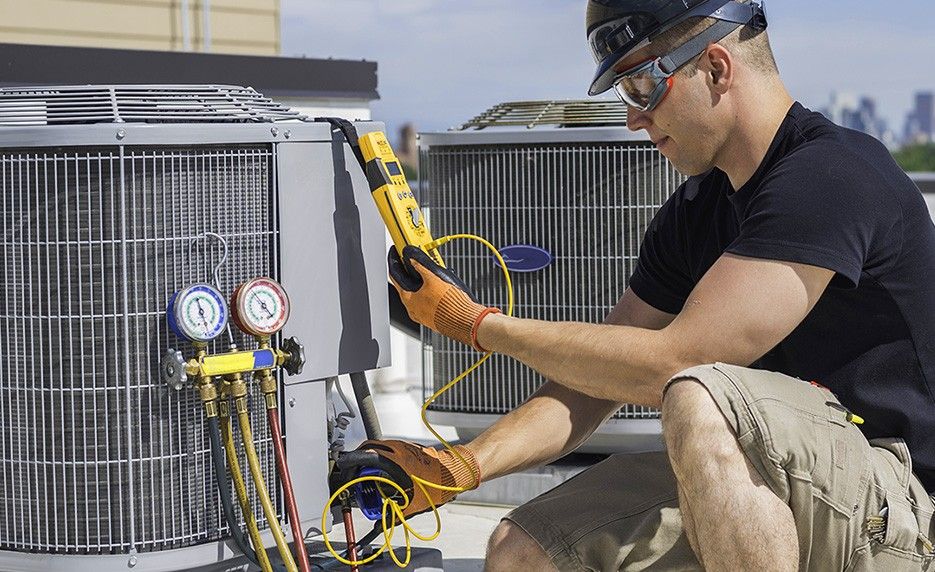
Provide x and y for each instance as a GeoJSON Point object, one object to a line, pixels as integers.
{"type": "Point", "coordinates": [220, 472]}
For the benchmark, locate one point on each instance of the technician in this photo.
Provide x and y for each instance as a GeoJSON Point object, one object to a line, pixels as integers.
{"type": "Point", "coordinates": [797, 250]}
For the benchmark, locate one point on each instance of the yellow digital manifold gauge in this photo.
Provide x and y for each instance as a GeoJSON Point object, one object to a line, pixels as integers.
{"type": "Point", "coordinates": [394, 198]}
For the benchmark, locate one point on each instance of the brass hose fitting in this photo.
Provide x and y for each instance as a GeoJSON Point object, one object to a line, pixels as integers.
{"type": "Point", "coordinates": [266, 380]}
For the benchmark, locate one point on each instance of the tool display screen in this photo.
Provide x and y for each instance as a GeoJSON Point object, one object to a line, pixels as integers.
{"type": "Point", "coordinates": [393, 169]}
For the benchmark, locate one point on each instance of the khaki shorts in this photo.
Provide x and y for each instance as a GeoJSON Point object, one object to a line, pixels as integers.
{"type": "Point", "coordinates": [622, 514]}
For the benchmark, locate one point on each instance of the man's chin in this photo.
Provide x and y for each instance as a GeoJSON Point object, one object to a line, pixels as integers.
{"type": "Point", "coordinates": [688, 168]}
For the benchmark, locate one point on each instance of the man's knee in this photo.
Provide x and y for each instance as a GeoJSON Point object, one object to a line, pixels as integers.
{"type": "Point", "coordinates": [688, 407]}
{"type": "Point", "coordinates": [694, 428]}
{"type": "Point", "coordinates": [511, 548]}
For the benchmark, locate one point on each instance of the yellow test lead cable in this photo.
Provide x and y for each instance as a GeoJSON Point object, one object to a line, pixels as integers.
{"type": "Point", "coordinates": [396, 509]}
{"type": "Point", "coordinates": [509, 312]}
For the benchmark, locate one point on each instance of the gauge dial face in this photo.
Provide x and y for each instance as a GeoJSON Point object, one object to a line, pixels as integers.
{"type": "Point", "coordinates": [261, 307]}
{"type": "Point", "coordinates": [200, 313]}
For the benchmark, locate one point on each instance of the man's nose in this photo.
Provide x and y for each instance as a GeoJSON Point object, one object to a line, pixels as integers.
{"type": "Point", "coordinates": [637, 119]}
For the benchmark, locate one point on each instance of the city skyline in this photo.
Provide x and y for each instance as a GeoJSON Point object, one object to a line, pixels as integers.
{"type": "Point", "coordinates": [441, 63]}
{"type": "Point", "coordinates": [859, 112]}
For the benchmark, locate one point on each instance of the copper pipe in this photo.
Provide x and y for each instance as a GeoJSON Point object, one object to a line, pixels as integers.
{"type": "Point", "coordinates": [349, 533]}
{"type": "Point", "coordinates": [301, 554]}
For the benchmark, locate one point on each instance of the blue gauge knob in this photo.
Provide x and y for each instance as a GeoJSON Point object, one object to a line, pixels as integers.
{"type": "Point", "coordinates": [197, 313]}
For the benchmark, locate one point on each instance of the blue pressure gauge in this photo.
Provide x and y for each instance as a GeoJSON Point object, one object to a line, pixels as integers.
{"type": "Point", "coordinates": [197, 313]}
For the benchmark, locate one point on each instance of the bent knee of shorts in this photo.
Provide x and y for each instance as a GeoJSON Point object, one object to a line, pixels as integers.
{"type": "Point", "coordinates": [685, 390]}
{"type": "Point", "coordinates": [509, 543]}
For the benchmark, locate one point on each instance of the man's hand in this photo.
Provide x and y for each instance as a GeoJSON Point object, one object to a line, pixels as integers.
{"type": "Point", "coordinates": [440, 467]}
{"type": "Point", "coordinates": [436, 297]}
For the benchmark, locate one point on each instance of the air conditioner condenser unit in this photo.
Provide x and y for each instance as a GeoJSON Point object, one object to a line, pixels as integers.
{"type": "Point", "coordinates": [104, 193]}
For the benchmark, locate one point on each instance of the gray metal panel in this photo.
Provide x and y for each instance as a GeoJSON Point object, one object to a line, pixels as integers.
{"type": "Point", "coordinates": [217, 556]}
{"type": "Point", "coordinates": [503, 136]}
{"type": "Point", "coordinates": [132, 134]}
{"type": "Point", "coordinates": [333, 259]}
{"type": "Point", "coordinates": [303, 409]}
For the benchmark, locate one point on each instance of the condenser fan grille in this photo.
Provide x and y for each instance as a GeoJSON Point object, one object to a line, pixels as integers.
{"type": "Point", "coordinates": [532, 114]}
{"type": "Point", "coordinates": [98, 455]}
{"type": "Point", "coordinates": [70, 105]}
{"type": "Point", "coordinates": [588, 204]}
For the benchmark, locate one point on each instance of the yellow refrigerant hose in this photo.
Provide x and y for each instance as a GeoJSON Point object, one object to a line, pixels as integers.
{"type": "Point", "coordinates": [240, 404]}
{"type": "Point", "coordinates": [240, 487]}
{"type": "Point", "coordinates": [390, 506]}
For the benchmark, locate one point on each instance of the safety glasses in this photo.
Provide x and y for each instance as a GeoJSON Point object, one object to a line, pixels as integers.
{"type": "Point", "coordinates": [646, 84]}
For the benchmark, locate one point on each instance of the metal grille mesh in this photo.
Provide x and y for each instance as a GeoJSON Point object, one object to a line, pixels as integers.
{"type": "Point", "coordinates": [98, 456]}
{"type": "Point", "coordinates": [587, 204]}
{"type": "Point", "coordinates": [66, 105]}
{"type": "Point", "coordinates": [531, 114]}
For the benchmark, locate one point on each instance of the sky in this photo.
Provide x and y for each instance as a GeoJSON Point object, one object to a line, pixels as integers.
{"type": "Point", "coordinates": [441, 62]}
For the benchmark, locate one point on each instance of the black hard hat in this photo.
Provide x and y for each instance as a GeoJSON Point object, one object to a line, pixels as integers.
{"type": "Point", "coordinates": [618, 27]}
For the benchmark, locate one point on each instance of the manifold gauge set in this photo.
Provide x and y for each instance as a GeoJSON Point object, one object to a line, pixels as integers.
{"type": "Point", "coordinates": [199, 313]}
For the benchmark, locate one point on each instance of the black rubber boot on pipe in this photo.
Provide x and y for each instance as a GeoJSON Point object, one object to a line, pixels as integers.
{"type": "Point", "coordinates": [368, 413]}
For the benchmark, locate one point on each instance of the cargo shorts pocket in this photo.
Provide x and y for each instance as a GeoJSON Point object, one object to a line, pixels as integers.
{"type": "Point", "coordinates": [899, 515]}
{"type": "Point", "coordinates": [900, 545]}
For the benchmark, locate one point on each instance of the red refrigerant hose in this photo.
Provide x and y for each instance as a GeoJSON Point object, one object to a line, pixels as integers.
{"type": "Point", "coordinates": [301, 554]}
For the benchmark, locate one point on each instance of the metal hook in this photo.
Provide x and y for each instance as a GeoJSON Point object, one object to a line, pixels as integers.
{"type": "Point", "coordinates": [217, 268]}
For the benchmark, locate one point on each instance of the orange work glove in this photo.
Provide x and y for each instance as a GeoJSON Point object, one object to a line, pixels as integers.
{"type": "Point", "coordinates": [440, 467]}
{"type": "Point", "coordinates": [436, 297]}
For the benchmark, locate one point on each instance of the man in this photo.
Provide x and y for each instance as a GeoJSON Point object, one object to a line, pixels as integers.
{"type": "Point", "coordinates": [796, 247]}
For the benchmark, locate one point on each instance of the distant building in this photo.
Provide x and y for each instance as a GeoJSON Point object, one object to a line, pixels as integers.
{"type": "Point", "coordinates": [920, 122]}
{"type": "Point", "coordinates": [407, 146]}
{"type": "Point", "coordinates": [248, 27]}
{"type": "Point", "coordinates": [56, 42]}
{"type": "Point", "coordinates": [859, 114]}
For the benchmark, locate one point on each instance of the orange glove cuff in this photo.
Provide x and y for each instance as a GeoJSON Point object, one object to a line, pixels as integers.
{"type": "Point", "coordinates": [461, 475]}
{"type": "Point", "coordinates": [477, 322]}
{"type": "Point", "coordinates": [456, 315]}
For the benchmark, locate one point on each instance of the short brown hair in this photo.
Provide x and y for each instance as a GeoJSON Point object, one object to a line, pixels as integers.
{"type": "Point", "coordinates": [746, 42]}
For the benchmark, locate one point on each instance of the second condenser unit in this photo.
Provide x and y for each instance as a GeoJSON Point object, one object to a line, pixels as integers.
{"type": "Point", "coordinates": [566, 191]}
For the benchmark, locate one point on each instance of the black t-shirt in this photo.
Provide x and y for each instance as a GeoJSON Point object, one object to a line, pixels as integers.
{"type": "Point", "coordinates": [834, 198]}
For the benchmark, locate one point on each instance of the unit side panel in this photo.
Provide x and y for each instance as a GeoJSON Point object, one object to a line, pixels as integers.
{"type": "Point", "coordinates": [333, 261]}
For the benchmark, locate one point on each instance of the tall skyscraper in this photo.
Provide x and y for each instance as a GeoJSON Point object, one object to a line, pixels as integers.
{"type": "Point", "coordinates": [920, 122]}
{"type": "Point", "coordinates": [859, 114]}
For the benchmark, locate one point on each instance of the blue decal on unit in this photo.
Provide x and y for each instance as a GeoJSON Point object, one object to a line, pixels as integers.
{"type": "Point", "coordinates": [263, 359]}
{"type": "Point", "coordinates": [524, 258]}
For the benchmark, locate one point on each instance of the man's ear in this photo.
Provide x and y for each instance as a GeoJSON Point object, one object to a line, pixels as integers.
{"type": "Point", "coordinates": [718, 63]}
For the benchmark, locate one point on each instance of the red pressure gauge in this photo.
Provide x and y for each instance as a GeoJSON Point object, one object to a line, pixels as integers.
{"type": "Point", "coordinates": [260, 307]}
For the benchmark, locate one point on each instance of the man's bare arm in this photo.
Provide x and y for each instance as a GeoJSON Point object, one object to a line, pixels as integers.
{"type": "Point", "coordinates": [556, 419]}
{"type": "Point", "coordinates": [739, 310]}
